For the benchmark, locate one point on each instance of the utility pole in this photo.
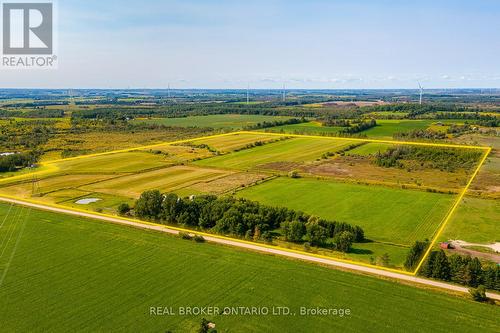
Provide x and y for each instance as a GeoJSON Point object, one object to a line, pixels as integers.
{"type": "Point", "coordinates": [35, 186]}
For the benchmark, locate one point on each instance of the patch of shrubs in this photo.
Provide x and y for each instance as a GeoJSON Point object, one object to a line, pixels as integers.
{"type": "Point", "coordinates": [478, 294]}
{"type": "Point", "coordinates": [420, 134]}
{"type": "Point", "coordinates": [449, 159]}
{"type": "Point", "coordinates": [358, 127]}
{"type": "Point", "coordinates": [123, 209]}
{"type": "Point", "coordinates": [198, 239]}
{"type": "Point", "coordinates": [188, 236]}
{"type": "Point", "coordinates": [184, 235]}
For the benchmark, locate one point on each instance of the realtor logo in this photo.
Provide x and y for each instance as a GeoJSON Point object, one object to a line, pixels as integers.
{"type": "Point", "coordinates": [28, 34]}
{"type": "Point", "coordinates": [27, 28]}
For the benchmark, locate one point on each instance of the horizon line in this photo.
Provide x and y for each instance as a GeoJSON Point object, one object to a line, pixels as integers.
{"type": "Point", "coordinates": [251, 89]}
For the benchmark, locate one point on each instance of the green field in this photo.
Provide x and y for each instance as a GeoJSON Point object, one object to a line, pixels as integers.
{"type": "Point", "coordinates": [235, 141]}
{"type": "Point", "coordinates": [296, 150]}
{"type": "Point", "coordinates": [227, 121]}
{"type": "Point", "coordinates": [72, 274]}
{"type": "Point", "coordinates": [385, 129]}
{"type": "Point", "coordinates": [475, 220]}
{"type": "Point", "coordinates": [386, 214]}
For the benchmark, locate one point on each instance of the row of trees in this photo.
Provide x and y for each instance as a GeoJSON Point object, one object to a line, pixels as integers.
{"type": "Point", "coordinates": [358, 127]}
{"type": "Point", "coordinates": [334, 122]}
{"type": "Point", "coordinates": [476, 117]}
{"type": "Point", "coordinates": [413, 110]}
{"type": "Point", "coordinates": [260, 143]}
{"type": "Point", "coordinates": [420, 134]}
{"type": "Point", "coordinates": [35, 113]}
{"type": "Point", "coordinates": [323, 233]}
{"type": "Point", "coordinates": [193, 109]}
{"type": "Point", "coordinates": [17, 161]}
{"type": "Point", "coordinates": [342, 151]}
{"type": "Point", "coordinates": [244, 218]}
{"type": "Point", "coordinates": [461, 269]}
{"type": "Point", "coordinates": [266, 124]}
{"type": "Point", "coordinates": [39, 104]}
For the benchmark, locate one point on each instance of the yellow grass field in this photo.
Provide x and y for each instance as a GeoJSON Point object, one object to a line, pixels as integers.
{"type": "Point", "coordinates": [234, 142]}
{"type": "Point", "coordinates": [52, 183]}
{"type": "Point", "coordinates": [272, 156]}
{"type": "Point", "coordinates": [165, 180]}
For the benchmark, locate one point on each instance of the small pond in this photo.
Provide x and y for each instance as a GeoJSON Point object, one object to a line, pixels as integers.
{"type": "Point", "coordinates": [86, 201]}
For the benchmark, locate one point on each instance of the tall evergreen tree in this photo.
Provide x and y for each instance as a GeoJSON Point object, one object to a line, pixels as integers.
{"type": "Point", "coordinates": [457, 267]}
{"type": "Point", "coordinates": [473, 273]}
{"type": "Point", "coordinates": [415, 254]}
{"type": "Point", "coordinates": [428, 266]}
{"type": "Point", "coordinates": [441, 267]}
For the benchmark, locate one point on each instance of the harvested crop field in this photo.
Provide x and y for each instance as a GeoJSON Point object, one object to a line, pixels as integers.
{"type": "Point", "coordinates": [236, 141]}
{"type": "Point", "coordinates": [227, 183]}
{"type": "Point", "coordinates": [165, 180]}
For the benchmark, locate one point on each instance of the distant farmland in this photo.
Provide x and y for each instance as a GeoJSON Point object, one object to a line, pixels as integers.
{"type": "Point", "coordinates": [311, 128]}
{"type": "Point", "coordinates": [385, 128]}
{"type": "Point", "coordinates": [107, 277]}
{"type": "Point", "coordinates": [228, 121]}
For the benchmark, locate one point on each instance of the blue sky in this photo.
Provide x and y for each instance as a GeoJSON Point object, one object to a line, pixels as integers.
{"type": "Point", "coordinates": [303, 44]}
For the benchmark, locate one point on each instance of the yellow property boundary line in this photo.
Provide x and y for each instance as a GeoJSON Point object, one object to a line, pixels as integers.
{"type": "Point", "coordinates": [453, 208]}
{"type": "Point", "coordinates": [50, 168]}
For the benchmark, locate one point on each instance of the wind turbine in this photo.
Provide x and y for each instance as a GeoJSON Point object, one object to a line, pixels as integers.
{"type": "Point", "coordinates": [421, 93]}
{"type": "Point", "coordinates": [284, 93]}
